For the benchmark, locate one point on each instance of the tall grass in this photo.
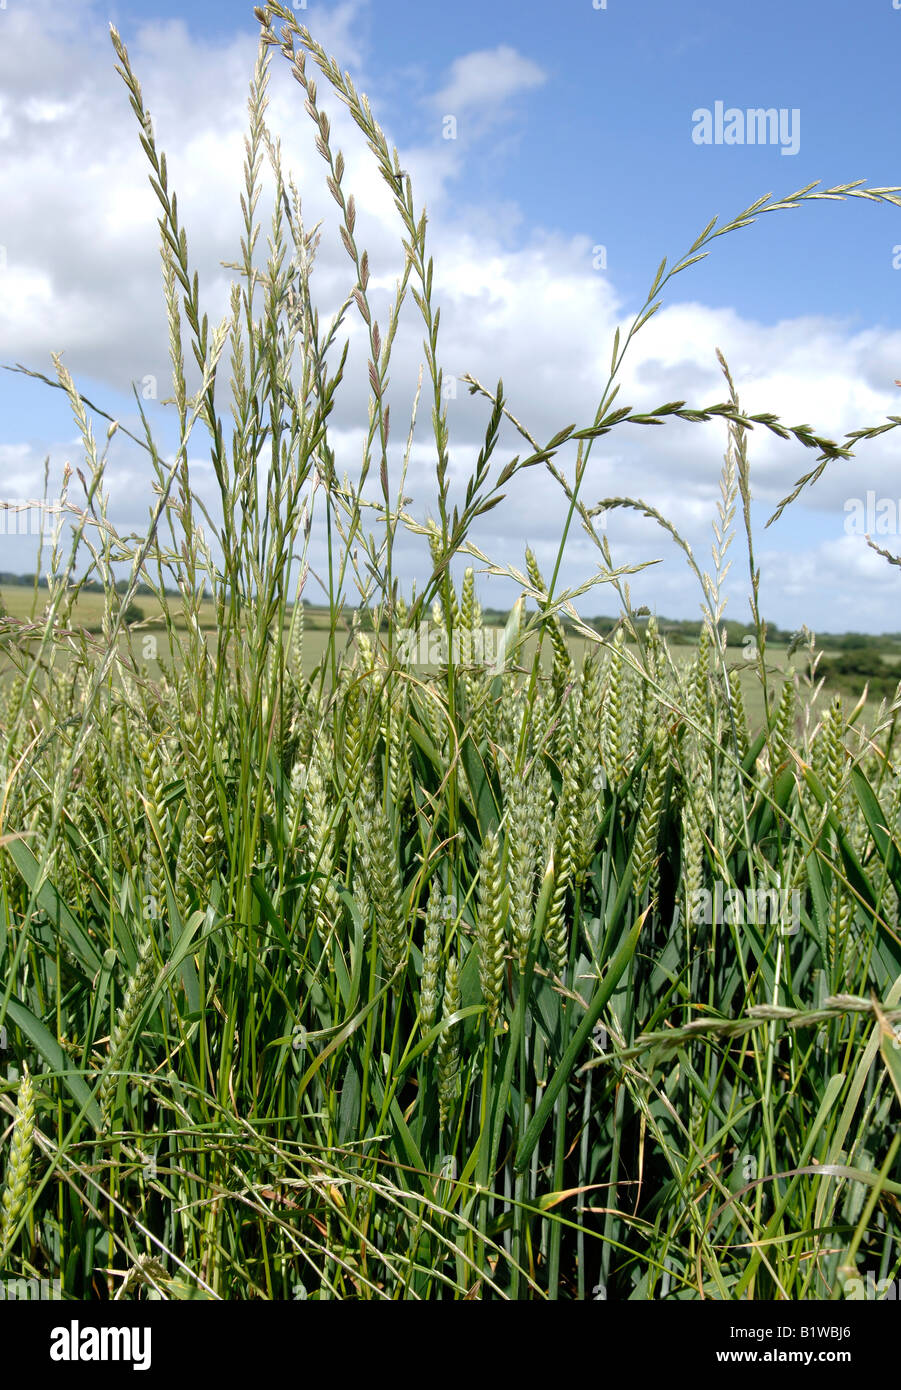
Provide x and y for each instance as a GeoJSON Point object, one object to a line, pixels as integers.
{"type": "Point", "coordinates": [355, 981]}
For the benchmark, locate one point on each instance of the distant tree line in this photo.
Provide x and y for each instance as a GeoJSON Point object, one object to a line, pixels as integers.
{"type": "Point", "coordinates": [90, 586]}
{"type": "Point", "coordinates": [857, 654]}
{"type": "Point", "coordinates": [855, 666]}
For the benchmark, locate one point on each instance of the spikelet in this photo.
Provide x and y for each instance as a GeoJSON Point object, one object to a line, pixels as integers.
{"type": "Point", "coordinates": [448, 1044]}
{"type": "Point", "coordinates": [490, 925]}
{"type": "Point", "coordinates": [304, 725]}
{"type": "Point", "coordinates": [200, 849]}
{"type": "Point", "coordinates": [377, 859]}
{"type": "Point", "coordinates": [729, 805]}
{"type": "Point", "coordinates": [692, 863]}
{"type": "Point", "coordinates": [318, 844]}
{"type": "Point", "coordinates": [295, 646]}
{"type": "Point", "coordinates": [437, 549]}
{"type": "Point", "coordinates": [841, 917]}
{"type": "Point", "coordinates": [470, 639]}
{"type": "Point", "coordinates": [830, 758]}
{"type": "Point", "coordinates": [403, 638]}
{"type": "Point", "coordinates": [18, 1168]}
{"type": "Point", "coordinates": [613, 719]}
{"type": "Point", "coordinates": [542, 715]}
{"type": "Point", "coordinates": [184, 862]}
{"type": "Point", "coordinates": [395, 730]}
{"type": "Point", "coordinates": [587, 756]}
{"type": "Point", "coordinates": [891, 903]}
{"type": "Point", "coordinates": [294, 801]}
{"type": "Point", "coordinates": [117, 806]}
{"type": "Point", "coordinates": [699, 697]}
{"type": "Point", "coordinates": [154, 777]}
{"type": "Point", "coordinates": [783, 732]}
{"type": "Point", "coordinates": [513, 651]}
{"type": "Point", "coordinates": [653, 649]}
{"type": "Point", "coordinates": [645, 707]}
{"type": "Point", "coordinates": [739, 716]}
{"type": "Point", "coordinates": [433, 940]}
{"type": "Point", "coordinates": [556, 930]}
{"type": "Point", "coordinates": [511, 713]}
{"type": "Point", "coordinates": [351, 743]}
{"type": "Point", "coordinates": [470, 618]}
{"type": "Point", "coordinates": [832, 755]}
{"type": "Point", "coordinates": [645, 846]}
{"type": "Point", "coordinates": [136, 993]}
{"type": "Point", "coordinates": [563, 672]}
{"type": "Point", "coordinates": [541, 815]}
{"type": "Point", "coordinates": [565, 739]}
{"type": "Point", "coordinates": [436, 714]}
{"type": "Point", "coordinates": [365, 652]}
{"type": "Point", "coordinates": [521, 858]}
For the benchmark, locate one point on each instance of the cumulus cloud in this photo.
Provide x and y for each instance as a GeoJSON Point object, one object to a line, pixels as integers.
{"type": "Point", "coordinates": [525, 303]}
{"type": "Point", "coordinates": [484, 80]}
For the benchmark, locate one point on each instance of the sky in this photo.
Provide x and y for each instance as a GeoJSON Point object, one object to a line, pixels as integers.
{"type": "Point", "coordinates": [576, 162]}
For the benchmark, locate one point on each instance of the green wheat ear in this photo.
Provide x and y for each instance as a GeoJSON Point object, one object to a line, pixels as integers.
{"type": "Point", "coordinates": [525, 833]}
{"type": "Point", "coordinates": [136, 993]}
{"type": "Point", "coordinates": [448, 1044]}
{"type": "Point", "coordinates": [644, 851]}
{"type": "Point", "coordinates": [18, 1168]}
{"type": "Point", "coordinates": [614, 720]}
{"type": "Point", "coordinates": [490, 917]}
{"type": "Point", "coordinates": [377, 859]}
{"type": "Point", "coordinates": [431, 956]}
{"type": "Point", "coordinates": [565, 851]}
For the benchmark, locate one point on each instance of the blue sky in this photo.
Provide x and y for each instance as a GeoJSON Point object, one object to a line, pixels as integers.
{"type": "Point", "coordinates": [574, 130]}
{"type": "Point", "coordinates": [603, 145]}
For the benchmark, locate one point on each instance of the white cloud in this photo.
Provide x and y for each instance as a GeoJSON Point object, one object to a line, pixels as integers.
{"type": "Point", "coordinates": [487, 78]}
{"type": "Point", "coordinates": [83, 274]}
